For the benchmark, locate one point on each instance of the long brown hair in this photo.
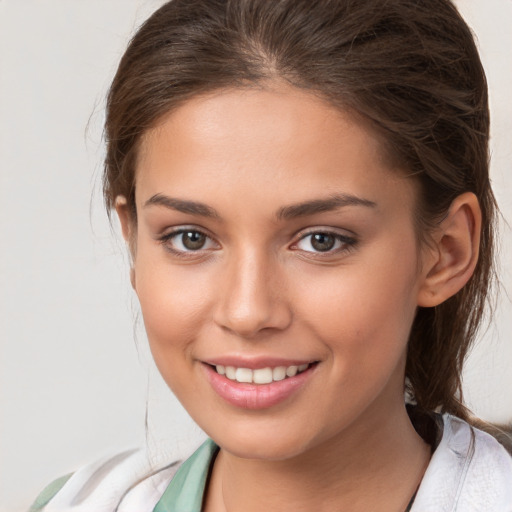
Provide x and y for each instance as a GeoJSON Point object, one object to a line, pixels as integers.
{"type": "Point", "coordinates": [410, 67]}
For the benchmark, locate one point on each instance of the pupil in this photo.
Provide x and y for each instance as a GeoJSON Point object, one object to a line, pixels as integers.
{"type": "Point", "coordinates": [193, 240]}
{"type": "Point", "coordinates": [322, 241]}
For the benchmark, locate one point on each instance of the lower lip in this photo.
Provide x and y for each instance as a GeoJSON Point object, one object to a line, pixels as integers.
{"type": "Point", "coordinates": [256, 396]}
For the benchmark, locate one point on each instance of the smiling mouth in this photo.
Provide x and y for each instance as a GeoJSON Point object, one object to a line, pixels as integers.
{"type": "Point", "coordinates": [261, 375]}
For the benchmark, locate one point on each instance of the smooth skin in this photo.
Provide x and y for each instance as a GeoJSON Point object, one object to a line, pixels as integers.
{"type": "Point", "coordinates": [251, 280]}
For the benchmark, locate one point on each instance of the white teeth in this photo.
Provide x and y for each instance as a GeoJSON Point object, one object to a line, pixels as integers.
{"type": "Point", "coordinates": [279, 373]}
{"type": "Point", "coordinates": [291, 371]}
{"type": "Point", "coordinates": [231, 372]}
{"type": "Point", "coordinates": [243, 375]}
{"type": "Point", "coordinates": [261, 375]}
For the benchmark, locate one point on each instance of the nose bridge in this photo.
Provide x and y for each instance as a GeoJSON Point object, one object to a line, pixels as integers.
{"type": "Point", "coordinates": [253, 295]}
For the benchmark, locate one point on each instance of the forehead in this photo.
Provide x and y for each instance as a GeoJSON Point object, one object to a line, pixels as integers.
{"type": "Point", "coordinates": [281, 141]}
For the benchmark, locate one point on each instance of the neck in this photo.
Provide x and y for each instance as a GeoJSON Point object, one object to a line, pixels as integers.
{"type": "Point", "coordinates": [374, 464]}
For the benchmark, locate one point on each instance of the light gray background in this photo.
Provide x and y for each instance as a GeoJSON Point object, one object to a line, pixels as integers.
{"type": "Point", "coordinates": [74, 383]}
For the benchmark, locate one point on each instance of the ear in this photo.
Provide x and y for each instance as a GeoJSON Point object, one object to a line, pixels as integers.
{"type": "Point", "coordinates": [128, 230]}
{"type": "Point", "coordinates": [121, 206]}
{"type": "Point", "coordinates": [453, 255]}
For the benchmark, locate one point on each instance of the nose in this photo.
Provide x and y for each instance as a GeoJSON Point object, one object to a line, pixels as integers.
{"type": "Point", "coordinates": [253, 297]}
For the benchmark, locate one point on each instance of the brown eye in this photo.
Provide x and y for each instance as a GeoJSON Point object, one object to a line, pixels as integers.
{"type": "Point", "coordinates": [193, 240]}
{"type": "Point", "coordinates": [325, 242]}
{"type": "Point", "coordinates": [185, 240]}
{"type": "Point", "coordinates": [322, 241]}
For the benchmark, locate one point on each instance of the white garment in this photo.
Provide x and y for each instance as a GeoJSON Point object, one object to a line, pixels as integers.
{"type": "Point", "coordinates": [469, 472]}
{"type": "Point", "coordinates": [128, 482]}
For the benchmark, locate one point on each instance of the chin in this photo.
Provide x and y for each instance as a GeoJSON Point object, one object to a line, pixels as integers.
{"type": "Point", "coordinates": [263, 443]}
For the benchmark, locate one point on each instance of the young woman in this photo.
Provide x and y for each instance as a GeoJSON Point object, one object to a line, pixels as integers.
{"type": "Point", "coordinates": [304, 191]}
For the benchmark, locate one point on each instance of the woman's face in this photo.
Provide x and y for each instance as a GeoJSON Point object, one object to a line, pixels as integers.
{"type": "Point", "coordinates": [275, 245]}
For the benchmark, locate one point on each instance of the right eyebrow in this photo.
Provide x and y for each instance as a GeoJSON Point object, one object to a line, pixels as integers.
{"type": "Point", "coordinates": [182, 205]}
{"type": "Point", "coordinates": [322, 205]}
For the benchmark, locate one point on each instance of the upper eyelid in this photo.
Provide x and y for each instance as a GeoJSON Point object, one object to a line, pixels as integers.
{"type": "Point", "coordinates": [338, 236]}
{"type": "Point", "coordinates": [169, 232]}
{"type": "Point", "coordinates": [329, 231]}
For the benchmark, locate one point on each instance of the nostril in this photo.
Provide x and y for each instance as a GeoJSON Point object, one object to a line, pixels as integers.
{"type": "Point", "coordinates": [252, 320]}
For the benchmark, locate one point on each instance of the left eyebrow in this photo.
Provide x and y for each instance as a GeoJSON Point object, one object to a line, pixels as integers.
{"type": "Point", "coordinates": [322, 205]}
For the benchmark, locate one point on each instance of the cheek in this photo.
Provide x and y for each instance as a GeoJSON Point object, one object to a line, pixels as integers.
{"type": "Point", "coordinates": [363, 312]}
{"type": "Point", "coordinates": [174, 303]}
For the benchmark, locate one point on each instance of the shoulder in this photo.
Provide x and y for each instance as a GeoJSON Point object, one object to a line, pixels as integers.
{"type": "Point", "coordinates": [489, 477]}
{"type": "Point", "coordinates": [131, 481]}
{"type": "Point", "coordinates": [469, 471]}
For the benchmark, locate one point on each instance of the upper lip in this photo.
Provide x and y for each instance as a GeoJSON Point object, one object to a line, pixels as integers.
{"type": "Point", "coordinates": [254, 363]}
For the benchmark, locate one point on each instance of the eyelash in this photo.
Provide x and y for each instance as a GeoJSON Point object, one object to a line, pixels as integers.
{"type": "Point", "coordinates": [166, 241]}
{"type": "Point", "coordinates": [347, 242]}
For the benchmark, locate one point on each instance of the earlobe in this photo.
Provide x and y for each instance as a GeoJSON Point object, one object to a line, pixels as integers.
{"type": "Point", "coordinates": [454, 254]}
